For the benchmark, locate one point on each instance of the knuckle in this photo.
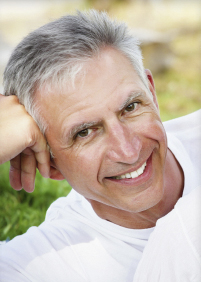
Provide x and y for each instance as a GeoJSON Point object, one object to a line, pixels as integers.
{"type": "Point", "coordinates": [33, 132]}
{"type": "Point", "coordinates": [13, 99]}
{"type": "Point", "coordinates": [8, 101]}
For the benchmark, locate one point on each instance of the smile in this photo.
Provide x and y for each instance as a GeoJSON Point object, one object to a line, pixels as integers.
{"type": "Point", "coordinates": [132, 174]}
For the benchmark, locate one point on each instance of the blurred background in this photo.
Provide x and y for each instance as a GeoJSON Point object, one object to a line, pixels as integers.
{"type": "Point", "coordinates": [170, 36]}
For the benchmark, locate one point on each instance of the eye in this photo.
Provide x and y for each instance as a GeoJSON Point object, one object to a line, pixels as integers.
{"type": "Point", "coordinates": [84, 132]}
{"type": "Point", "coordinates": [131, 107]}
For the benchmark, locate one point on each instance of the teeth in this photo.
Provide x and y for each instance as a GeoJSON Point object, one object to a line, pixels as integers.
{"type": "Point", "coordinates": [133, 174]}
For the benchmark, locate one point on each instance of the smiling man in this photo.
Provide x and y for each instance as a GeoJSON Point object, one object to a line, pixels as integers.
{"type": "Point", "coordinates": [81, 78]}
{"type": "Point", "coordinates": [109, 143]}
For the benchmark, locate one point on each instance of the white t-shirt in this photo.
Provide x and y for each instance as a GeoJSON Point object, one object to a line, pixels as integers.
{"type": "Point", "coordinates": [74, 244]}
{"type": "Point", "coordinates": [173, 252]}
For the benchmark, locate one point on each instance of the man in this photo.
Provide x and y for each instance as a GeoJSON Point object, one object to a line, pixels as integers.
{"type": "Point", "coordinates": [81, 78]}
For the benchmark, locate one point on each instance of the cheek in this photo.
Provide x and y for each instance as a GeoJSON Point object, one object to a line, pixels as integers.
{"type": "Point", "coordinates": [81, 165]}
{"type": "Point", "coordinates": [153, 136]}
{"type": "Point", "coordinates": [157, 132]}
{"type": "Point", "coordinates": [152, 128]}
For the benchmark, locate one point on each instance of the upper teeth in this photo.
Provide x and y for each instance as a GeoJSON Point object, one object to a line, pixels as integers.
{"type": "Point", "coordinates": [133, 174]}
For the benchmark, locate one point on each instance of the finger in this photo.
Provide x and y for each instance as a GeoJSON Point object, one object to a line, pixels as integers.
{"type": "Point", "coordinates": [15, 173]}
{"type": "Point", "coordinates": [28, 170]}
{"type": "Point", "coordinates": [42, 155]}
{"type": "Point", "coordinates": [43, 160]}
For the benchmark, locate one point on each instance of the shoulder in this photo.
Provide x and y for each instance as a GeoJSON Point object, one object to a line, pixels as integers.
{"type": "Point", "coordinates": [63, 206]}
{"type": "Point", "coordinates": [187, 130]}
{"type": "Point", "coordinates": [184, 123]}
{"type": "Point", "coordinates": [44, 253]}
{"type": "Point", "coordinates": [47, 252]}
{"type": "Point", "coordinates": [174, 244]}
{"type": "Point", "coordinates": [188, 210]}
{"type": "Point", "coordinates": [184, 222]}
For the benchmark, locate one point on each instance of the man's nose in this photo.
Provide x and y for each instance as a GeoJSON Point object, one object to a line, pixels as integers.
{"type": "Point", "coordinates": [123, 145]}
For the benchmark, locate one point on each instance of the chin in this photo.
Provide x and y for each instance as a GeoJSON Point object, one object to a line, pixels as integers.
{"type": "Point", "coordinates": [148, 199]}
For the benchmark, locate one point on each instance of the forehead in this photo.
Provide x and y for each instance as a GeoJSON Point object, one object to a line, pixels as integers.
{"type": "Point", "coordinates": [104, 84]}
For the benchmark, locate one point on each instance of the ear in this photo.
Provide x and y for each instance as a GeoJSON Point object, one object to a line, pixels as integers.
{"type": "Point", "coordinates": [54, 172]}
{"type": "Point", "coordinates": [152, 86]}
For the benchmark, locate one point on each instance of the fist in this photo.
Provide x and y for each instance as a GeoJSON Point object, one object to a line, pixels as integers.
{"type": "Point", "coordinates": [22, 143]}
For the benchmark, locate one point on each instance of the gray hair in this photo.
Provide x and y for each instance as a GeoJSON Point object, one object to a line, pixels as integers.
{"type": "Point", "coordinates": [55, 52]}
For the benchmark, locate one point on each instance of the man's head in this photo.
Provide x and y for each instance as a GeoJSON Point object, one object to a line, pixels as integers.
{"type": "Point", "coordinates": [54, 54]}
{"type": "Point", "coordinates": [104, 128]}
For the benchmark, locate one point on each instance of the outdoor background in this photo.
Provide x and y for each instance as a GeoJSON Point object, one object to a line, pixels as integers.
{"type": "Point", "coordinates": [170, 33]}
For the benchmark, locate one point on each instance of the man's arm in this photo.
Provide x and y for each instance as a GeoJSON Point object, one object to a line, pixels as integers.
{"type": "Point", "coordinates": [22, 143]}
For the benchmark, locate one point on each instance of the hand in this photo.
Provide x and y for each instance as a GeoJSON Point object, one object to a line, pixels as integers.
{"type": "Point", "coordinates": [22, 143]}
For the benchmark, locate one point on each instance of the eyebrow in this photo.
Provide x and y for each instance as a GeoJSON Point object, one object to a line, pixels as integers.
{"type": "Point", "coordinates": [80, 127]}
{"type": "Point", "coordinates": [130, 99]}
{"type": "Point", "coordinates": [77, 128]}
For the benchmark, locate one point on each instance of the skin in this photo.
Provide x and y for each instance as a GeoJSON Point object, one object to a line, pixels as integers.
{"type": "Point", "coordinates": [23, 144]}
{"type": "Point", "coordinates": [108, 124]}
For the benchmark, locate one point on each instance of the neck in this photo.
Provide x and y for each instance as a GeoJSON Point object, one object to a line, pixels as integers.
{"type": "Point", "coordinates": [173, 184]}
{"type": "Point", "coordinates": [173, 189]}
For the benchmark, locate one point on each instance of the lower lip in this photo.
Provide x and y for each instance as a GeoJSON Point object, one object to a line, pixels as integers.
{"type": "Point", "coordinates": [138, 180]}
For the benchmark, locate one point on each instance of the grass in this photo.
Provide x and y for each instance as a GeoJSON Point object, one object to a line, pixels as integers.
{"type": "Point", "coordinates": [20, 210]}
{"type": "Point", "coordinates": [178, 89]}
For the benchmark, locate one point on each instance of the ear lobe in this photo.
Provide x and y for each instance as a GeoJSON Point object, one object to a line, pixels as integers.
{"type": "Point", "coordinates": [55, 173]}
{"type": "Point", "coordinates": [152, 86]}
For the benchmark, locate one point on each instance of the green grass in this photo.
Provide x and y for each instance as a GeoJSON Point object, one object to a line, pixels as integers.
{"type": "Point", "coordinates": [177, 94]}
{"type": "Point", "coordinates": [20, 210]}
{"type": "Point", "coordinates": [179, 88]}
